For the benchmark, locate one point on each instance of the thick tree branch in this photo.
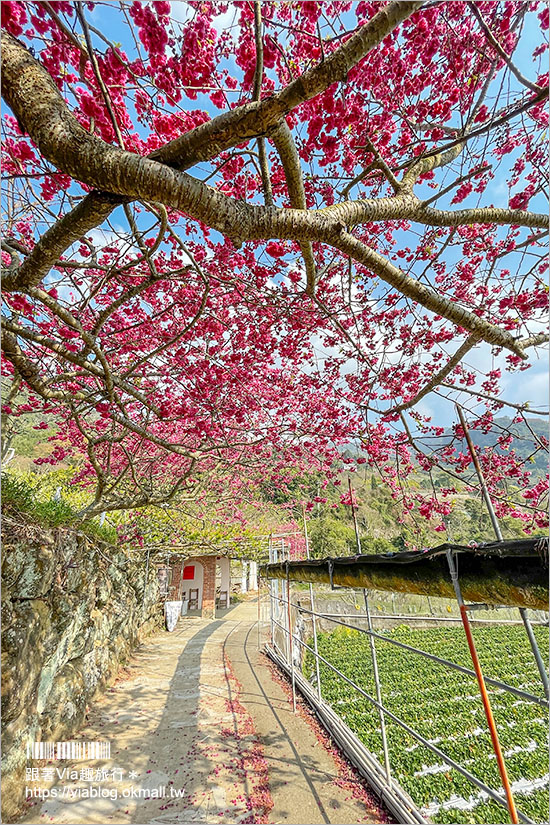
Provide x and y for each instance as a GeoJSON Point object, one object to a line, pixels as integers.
{"type": "Point", "coordinates": [485, 214]}
{"type": "Point", "coordinates": [536, 340]}
{"type": "Point", "coordinates": [132, 502]}
{"type": "Point", "coordinates": [63, 141]}
{"type": "Point", "coordinates": [256, 119]}
{"type": "Point", "coordinates": [284, 143]}
{"type": "Point", "coordinates": [425, 295]}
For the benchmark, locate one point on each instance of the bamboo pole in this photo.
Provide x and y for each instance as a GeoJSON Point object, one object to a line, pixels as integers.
{"type": "Point", "coordinates": [516, 581]}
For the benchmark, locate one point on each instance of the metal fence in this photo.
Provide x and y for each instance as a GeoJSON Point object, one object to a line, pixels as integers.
{"type": "Point", "coordinates": [289, 640]}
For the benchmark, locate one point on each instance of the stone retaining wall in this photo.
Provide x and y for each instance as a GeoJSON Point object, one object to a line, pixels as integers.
{"type": "Point", "coordinates": [73, 609]}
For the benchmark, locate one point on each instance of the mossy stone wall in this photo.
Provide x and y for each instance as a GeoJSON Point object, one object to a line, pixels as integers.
{"type": "Point", "coordinates": [72, 611]}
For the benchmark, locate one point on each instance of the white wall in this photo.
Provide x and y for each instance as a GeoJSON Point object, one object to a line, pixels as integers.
{"type": "Point", "coordinates": [244, 577]}
{"type": "Point", "coordinates": [225, 575]}
{"type": "Point", "coordinates": [197, 581]}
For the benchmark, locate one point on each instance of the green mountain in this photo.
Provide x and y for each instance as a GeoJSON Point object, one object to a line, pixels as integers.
{"type": "Point", "coordinates": [530, 440]}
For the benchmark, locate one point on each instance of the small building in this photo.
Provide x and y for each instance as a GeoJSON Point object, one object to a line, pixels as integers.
{"type": "Point", "coordinates": [204, 581]}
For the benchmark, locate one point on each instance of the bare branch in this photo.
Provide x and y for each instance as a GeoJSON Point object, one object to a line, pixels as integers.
{"type": "Point", "coordinates": [426, 296]}
{"type": "Point", "coordinates": [90, 212]}
{"type": "Point", "coordinates": [29, 371]}
{"type": "Point", "coordinates": [478, 394]}
{"type": "Point", "coordinates": [95, 65]}
{"type": "Point", "coordinates": [256, 96]}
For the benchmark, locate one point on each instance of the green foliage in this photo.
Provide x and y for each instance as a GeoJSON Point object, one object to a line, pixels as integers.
{"type": "Point", "coordinates": [372, 545]}
{"type": "Point", "coordinates": [184, 530]}
{"type": "Point", "coordinates": [18, 431]}
{"type": "Point", "coordinates": [469, 521]}
{"type": "Point", "coordinates": [331, 537]}
{"type": "Point", "coordinates": [384, 528]}
{"type": "Point", "coordinates": [17, 494]}
{"type": "Point", "coordinates": [294, 489]}
{"type": "Point", "coordinates": [21, 498]}
{"type": "Point", "coordinates": [445, 707]}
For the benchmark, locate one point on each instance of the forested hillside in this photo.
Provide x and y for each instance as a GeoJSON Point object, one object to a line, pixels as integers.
{"type": "Point", "coordinates": [383, 524]}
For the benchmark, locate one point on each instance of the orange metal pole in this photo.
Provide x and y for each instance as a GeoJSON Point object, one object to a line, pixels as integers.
{"type": "Point", "coordinates": [489, 715]}
{"type": "Point", "coordinates": [482, 689]}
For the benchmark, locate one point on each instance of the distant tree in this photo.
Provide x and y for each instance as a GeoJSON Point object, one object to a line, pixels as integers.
{"type": "Point", "coordinates": [331, 537]}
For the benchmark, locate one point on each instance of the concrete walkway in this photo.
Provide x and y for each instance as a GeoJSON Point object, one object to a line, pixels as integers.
{"type": "Point", "coordinates": [201, 732]}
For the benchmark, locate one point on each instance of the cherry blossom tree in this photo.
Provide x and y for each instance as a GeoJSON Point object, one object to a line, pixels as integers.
{"type": "Point", "coordinates": [239, 235]}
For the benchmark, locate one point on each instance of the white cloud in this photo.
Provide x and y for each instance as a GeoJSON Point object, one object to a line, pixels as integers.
{"type": "Point", "coordinates": [225, 21]}
{"type": "Point", "coordinates": [182, 11]}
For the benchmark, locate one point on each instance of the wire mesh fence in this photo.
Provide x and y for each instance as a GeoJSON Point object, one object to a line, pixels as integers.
{"type": "Point", "coordinates": [395, 681]}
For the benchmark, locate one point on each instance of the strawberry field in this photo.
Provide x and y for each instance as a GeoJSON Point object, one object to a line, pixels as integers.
{"type": "Point", "coordinates": [444, 706]}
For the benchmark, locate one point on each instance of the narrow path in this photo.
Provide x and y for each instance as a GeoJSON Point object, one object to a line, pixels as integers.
{"type": "Point", "coordinates": [304, 779]}
{"type": "Point", "coordinates": [200, 732]}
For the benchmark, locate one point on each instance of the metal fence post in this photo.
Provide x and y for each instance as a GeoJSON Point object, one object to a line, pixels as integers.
{"type": "Point", "coordinates": [498, 533]}
{"type": "Point", "coordinates": [372, 649]}
{"type": "Point", "coordinates": [312, 604]}
{"type": "Point", "coordinates": [290, 652]}
{"type": "Point", "coordinates": [146, 579]}
{"type": "Point", "coordinates": [259, 609]}
{"type": "Point", "coordinates": [271, 557]}
{"type": "Point", "coordinates": [536, 652]}
{"type": "Point", "coordinates": [329, 713]}
{"type": "Point", "coordinates": [378, 691]}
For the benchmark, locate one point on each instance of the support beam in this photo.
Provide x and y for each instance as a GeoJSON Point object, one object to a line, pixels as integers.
{"type": "Point", "coordinates": [244, 576]}
{"type": "Point", "coordinates": [253, 575]}
{"type": "Point", "coordinates": [495, 576]}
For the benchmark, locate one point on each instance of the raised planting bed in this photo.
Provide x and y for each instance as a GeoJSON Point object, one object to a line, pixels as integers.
{"type": "Point", "coordinates": [445, 707]}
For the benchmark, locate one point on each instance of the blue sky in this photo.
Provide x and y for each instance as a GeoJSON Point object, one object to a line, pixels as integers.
{"type": "Point", "coordinates": [518, 387]}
